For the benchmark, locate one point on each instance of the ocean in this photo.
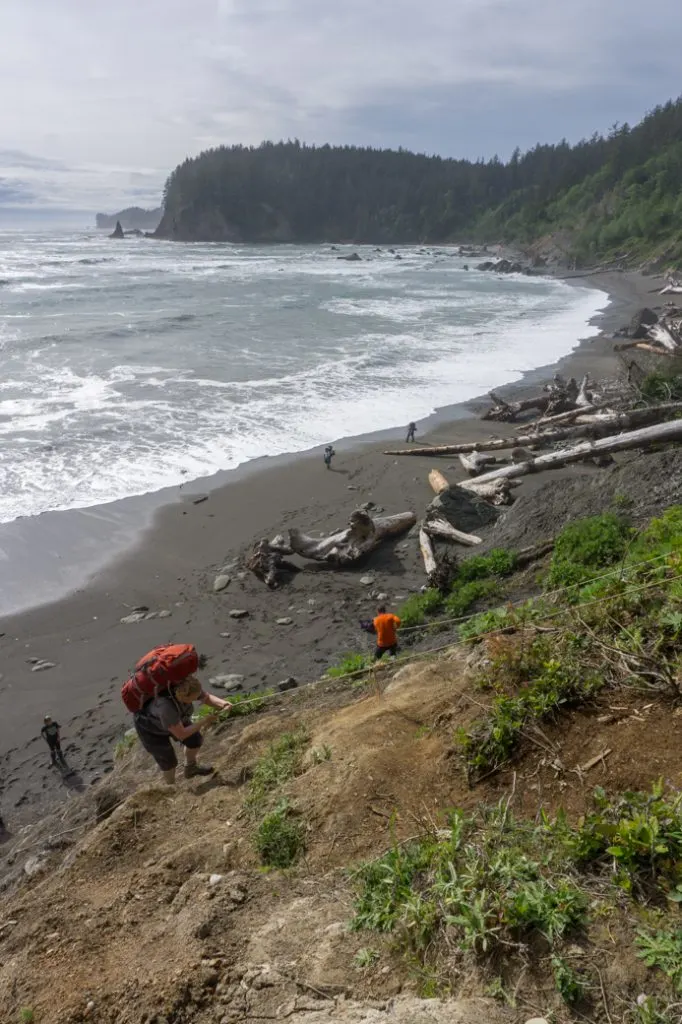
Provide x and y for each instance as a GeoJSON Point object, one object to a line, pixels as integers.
{"type": "Point", "coordinates": [130, 366]}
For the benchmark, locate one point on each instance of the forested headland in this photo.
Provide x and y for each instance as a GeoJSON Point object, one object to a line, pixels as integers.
{"type": "Point", "coordinates": [608, 196]}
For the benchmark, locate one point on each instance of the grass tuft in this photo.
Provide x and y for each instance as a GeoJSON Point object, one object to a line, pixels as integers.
{"type": "Point", "coordinates": [125, 745]}
{"type": "Point", "coordinates": [280, 837]}
{"type": "Point", "coordinates": [279, 763]}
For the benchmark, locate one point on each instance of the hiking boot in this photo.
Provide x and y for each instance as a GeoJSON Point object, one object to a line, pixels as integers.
{"type": "Point", "coordinates": [197, 769]}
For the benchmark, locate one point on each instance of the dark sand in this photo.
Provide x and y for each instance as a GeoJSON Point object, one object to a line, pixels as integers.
{"type": "Point", "coordinates": [174, 565]}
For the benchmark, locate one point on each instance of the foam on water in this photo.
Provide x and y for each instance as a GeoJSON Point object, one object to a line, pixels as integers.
{"type": "Point", "coordinates": [125, 363]}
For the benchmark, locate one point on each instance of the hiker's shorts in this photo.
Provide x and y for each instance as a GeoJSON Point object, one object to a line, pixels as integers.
{"type": "Point", "coordinates": [161, 747]}
{"type": "Point", "coordinates": [380, 651]}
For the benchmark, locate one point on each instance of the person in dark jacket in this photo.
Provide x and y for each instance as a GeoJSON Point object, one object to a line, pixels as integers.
{"type": "Point", "coordinates": [329, 454]}
{"type": "Point", "coordinates": [169, 717]}
{"type": "Point", "coordinates": [411, 431]}
{"type": "Point", "coordinates": [51, 733]}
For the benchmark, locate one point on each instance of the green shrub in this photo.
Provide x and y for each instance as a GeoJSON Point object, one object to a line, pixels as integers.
{"type": "Point", "coordinates": [414, 611]}
{"type": "Point", "coordinates": [568, 982]}
{"type": "Point", "coordinates": [661, 387]}
{"type": "Point", "coordinates": [240, 704]}
{"type": "Point", "coordinates": [125, 744]}
{"type": "Point", "coordinates": [280, 763]}
{"type": "Point", "coordinates": [26, 1015]}
{"type": "Point", "coordinates": [663, 949]}
{"type": "Point", "coordinates": [280, 838]}
{"type": "Point", "coordinates": [350, 664]}
{"type": "Point", "coordinates": [465, 595]}
{"type": "Point", "coordinates": [487, 622]}
{"type": "Point", "coordinates": [641, 833]}
{"type": "Point", "coordinates": [488, 880]}
{"type": "Point", "coordinates": [490, 741]}
{"type": "Point", "coordinates": [498, 562]}
{"type": "Point", "coordinates": [585, 547]}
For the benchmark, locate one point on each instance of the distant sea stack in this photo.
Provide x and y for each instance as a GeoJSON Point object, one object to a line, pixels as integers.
{"type": "Point", "coordinates": [132, 219]}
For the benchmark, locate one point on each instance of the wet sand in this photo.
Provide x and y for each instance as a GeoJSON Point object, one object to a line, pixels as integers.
{"type": "Point", "coordinates": [173, 565]}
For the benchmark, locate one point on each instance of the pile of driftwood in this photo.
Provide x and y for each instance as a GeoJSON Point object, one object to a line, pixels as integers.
{"type": "Point", "coordinates": [604, 425]}
{"type": "Point", "coordinates": [659, 335]}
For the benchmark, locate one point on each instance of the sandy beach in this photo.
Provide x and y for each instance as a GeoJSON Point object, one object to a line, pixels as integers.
{"type": "Point", "coordinates": [183, 546]}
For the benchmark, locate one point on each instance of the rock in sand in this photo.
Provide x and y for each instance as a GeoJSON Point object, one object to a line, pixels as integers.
{"type": "Point", "coordinates": [230, 681]}
{"type": "Point", "coordinates": [285, 622]}
{"type": "Point", "coordinates": [221, 582]}
{"type": "Point", "coordinates": [238, 613]}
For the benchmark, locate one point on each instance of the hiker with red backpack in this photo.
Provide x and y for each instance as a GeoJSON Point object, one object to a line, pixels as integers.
{"type": "Point", "coordinates": [160, 693]}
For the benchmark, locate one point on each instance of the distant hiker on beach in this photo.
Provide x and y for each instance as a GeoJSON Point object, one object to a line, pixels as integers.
{"type": "Point", "coordinates": [411, 431]}
{"type": "Point", "coordinates": [329, 454]}
{"type": "Point", "coordinates": [385, 627]}
{"type": "Point", "coordinates": [167, 717]}
{"type": "Point", "coordinates": [52, 736]}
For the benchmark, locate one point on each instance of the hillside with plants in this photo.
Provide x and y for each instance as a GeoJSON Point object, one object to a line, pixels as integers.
{"type": "Point", "coordinates": [609, 195]}
{"type": "Point", "coordinates": [493, 831]}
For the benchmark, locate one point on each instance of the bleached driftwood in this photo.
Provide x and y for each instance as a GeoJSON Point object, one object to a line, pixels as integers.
{"type": "Point", "coordinates": [560, 395]}
{"type": "Point", "coordinates": [438, 481]}
{"type": "Point", "coordinates": [584, 396]}
{"type": "Point", "coordinates": [475, 463]}
{"type": "Point", "coordinates": [671, 289]}
{"type": "Point", "coordinates": [664, 334]}
{"type": "Point", "coordinates": [497, 492]}
{"type": "Point", "coordinates": [349, 546]}
{"type": "Point", "coordinates": [428, 555]}
{"type": "Point", "coordinates": [438, 526]}
{"type": "Point", "coordinates": [591, 424]}
{"type": "Point", "coordinates": [660, 433]}
{"type": "Point", "coordinates": [644, 346]}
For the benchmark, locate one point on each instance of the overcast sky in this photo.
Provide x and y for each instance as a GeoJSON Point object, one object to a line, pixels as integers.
{"type": "Point", "coordinates": [102, 98]}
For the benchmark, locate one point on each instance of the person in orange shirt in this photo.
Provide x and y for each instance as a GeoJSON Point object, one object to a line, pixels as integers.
{"type": "Point", "coordinates": [385, 627]}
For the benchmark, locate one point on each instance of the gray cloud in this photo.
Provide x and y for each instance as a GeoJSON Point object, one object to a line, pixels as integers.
{"type": "Point", "coordinates": [107, 98]}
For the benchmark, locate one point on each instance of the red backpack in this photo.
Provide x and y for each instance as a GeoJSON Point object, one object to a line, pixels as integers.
{"type": "Point", "coordinates": [155, 672]}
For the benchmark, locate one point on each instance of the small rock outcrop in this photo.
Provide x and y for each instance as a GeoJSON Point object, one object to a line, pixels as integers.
{"type": "Point", "coordinates": [352, 257]}
{"type": "Point", "coordinates": [118, 231]}
{"type": "Point", "coordinates": [643, 319]}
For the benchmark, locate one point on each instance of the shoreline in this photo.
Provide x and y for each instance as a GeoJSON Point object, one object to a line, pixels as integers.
{"type": "Point", "coordinates": [47, 557]}
{"type": "Point", "coordinates": [174, 560]}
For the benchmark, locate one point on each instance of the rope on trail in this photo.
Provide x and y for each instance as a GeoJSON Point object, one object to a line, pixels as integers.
{"type": "Point", "coordinates": [451, 644]}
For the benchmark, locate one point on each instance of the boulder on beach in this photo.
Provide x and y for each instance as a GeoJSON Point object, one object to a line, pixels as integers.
{"type": "Point", "coordinates": [118, 231]}
{"type": "Point", "coordinates": [353, 257]}
{"type": "Point", "coordinates": [641, 321]}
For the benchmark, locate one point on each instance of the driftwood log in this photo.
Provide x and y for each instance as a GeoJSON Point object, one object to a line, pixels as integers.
{"type": "Point", "coordinates": [428, 554]}
{"type": "Point", "coordinates": [561, 395]}
{"type": "Point", "coordinates": [438, 481]}
{"type": "Point", "coordinates": [350, 546]}
{"type": "Point", "coordinates": [268, 564]}
{"type": "Point", "coordinates": [646, 437]}
{"type": "Point", "coordinates": [475, 463]}
{"type": "Point", "coordinates": [438, 526]}
{"type": "Point", "coordinates": [592, 424]}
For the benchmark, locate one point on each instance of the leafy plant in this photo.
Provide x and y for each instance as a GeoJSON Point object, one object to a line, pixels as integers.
{"type": "Point", "coordinates": [640, 832]}
{"type": "Point", "coordinates": [27, 1015]}
{"type": "Point", "coordinates": [240, 704]}
{"type": "Point", "coordinates": [280, 837]}
{"type": "Point", "coordinates": [487, 622]}
{"type": "Point", "coordinates": [280, 763]}
{"type": "Point", "coordinates": [487, 880]}
{"type": "Point", "coordinates": [350, 664]}
{"type": "Point", "coordinates": [125, 745]}
{"type": "Point", "coordinates": [649, 1010]}
{"type": "Point", "coordinates": [586, 546]}
{"type": "Point", "coordinates": [365, 957]}
{"type": "Point", "coordinates": [663, 949]}
{"type": "Point", "coordinates": [321, 754]}
{"type": "Point", "coordinates": [661, 387]}
{"type": "Point", "coordinates": [415, 610]}
{"type": "Point", "coordinates": [568, 982]}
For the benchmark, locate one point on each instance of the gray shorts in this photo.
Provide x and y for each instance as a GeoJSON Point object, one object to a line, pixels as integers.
{"type": "Point", "coordinates": [161, 747]}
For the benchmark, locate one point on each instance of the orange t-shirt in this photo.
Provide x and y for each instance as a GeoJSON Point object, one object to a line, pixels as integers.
{"type": "Point", "coordinates": [385, 626]}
